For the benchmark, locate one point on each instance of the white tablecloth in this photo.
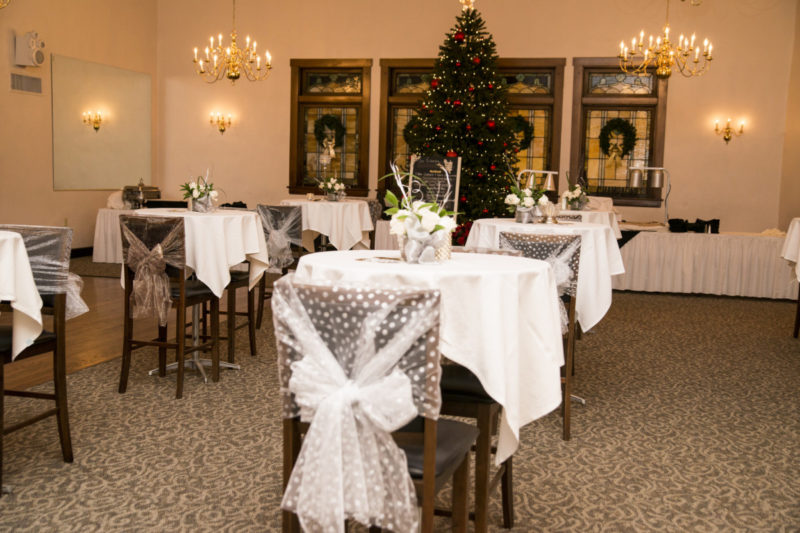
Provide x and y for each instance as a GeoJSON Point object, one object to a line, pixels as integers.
{"type": "Point", "coordinates": [791, 246]}
{"type": "Point", "coordinates": [347, 223]}
{"type": "Point", "coordinates": [500, 319]}
{"type": "Point", "coordinates": [18, 287]}
{"type": "Point", "coordinates": [600, 259]}
{"type": "Point", "coordinates": [217, 241]}
{"type": "Point", "coordinates": [107, 246]}
{"type": "Point", "coordinates": [733, 265]}
{"type": "Point", "coordinates": [609, 218]}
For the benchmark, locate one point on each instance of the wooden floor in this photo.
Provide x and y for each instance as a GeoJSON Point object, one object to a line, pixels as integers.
{"type": "Point", "coordinates": [92, 338]}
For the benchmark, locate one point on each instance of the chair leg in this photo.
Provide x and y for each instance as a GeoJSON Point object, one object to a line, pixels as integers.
{"type": "Point", "coordinates": [507, 488]}
{"type": "Point", "coordinates": [127, 335]}
{"type": "Point", "coordinates": [180, 339]}
{"type": "Point", "coordinates": [162, 351]}
{"type": "Point", "coordinates": [262, 289]}
{"type": "Point", "coordinates": [483, 453]}
{"type": "Point", "coordinates": [291, 449]}
{"type": "Point", "coordinates": [568, 363]}
{"type": "Point", "coordinates": [215, 338]}
{"type": "Point", "coordinates": [797, 316]}
{"type": "Point", "coordinates": [231, 324]}
{"type": "Point", "coordinates": [2, 408]}
{"type": "Point", "coordinates": [60, 386]}
{"type": "Point", "coordinates": [251, 319]}
{"type": "Point", "coordinates": [460, 507]}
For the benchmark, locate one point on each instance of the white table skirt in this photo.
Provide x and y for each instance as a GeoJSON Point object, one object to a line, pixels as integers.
{"type": "Point", "coordinates": [383, 239]}
{"type": "Point", "coordinates": [499, 318]}
{"type": "Point", "coordinates": [600, 259]}
{"type": "Point", "coordinates": [18, 287]}
{"type": "Point", "coordinates": [107, 246]}
{"type": "Point", "coordinates": [791, 246]}
{"type": "Point", "coordinates": [608, 218]}
{"type": "Point", "coordinates": [346, 223]}
{"type": "Point", "coordinates": [733, 265]}
{"type": "Point", "coordinates": [217, 241]}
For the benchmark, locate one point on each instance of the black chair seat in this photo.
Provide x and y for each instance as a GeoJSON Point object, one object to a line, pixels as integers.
{"type": "Point", "coordinates": [194, 288]}
{"type": "Point", "coordinates": [238, 276]}
{"type": "Point", "coordinates": [453, 441]}
{"type": "Point", "coordinates": [459, 384]}
{"type": "Point", "coordinates": [5, 343]}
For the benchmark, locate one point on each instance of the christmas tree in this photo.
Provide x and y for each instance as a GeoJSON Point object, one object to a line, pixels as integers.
{"type": "Point", "coordinates": [465, 114]}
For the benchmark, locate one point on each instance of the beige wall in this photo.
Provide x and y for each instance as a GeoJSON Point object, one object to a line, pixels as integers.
{"type": "Point", "coordinates": [790, 179]}
{"type": "Point", "coordinates": [740, 183]}
{"type": "Point", "coordinates": [121, 33]}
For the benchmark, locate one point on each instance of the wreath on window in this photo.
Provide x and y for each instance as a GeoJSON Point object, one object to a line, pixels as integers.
{"type": "Point", "coordinates": [520, 124]}
{"type": "Point", "coordinates": [622, 126]}
{"type": "Point", "coordinates": [332, 123]}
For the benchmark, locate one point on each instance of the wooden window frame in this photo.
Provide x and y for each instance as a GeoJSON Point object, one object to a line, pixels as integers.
{"type": "Point", "coordinates": [297, 135]}
{"type": "Point", "coordinates": [389, 67]}
{"type": "Point", "coordinates": [582, 101]}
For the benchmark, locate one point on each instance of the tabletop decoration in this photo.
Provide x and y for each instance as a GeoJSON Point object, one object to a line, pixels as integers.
{"type": "Point", "coordinates": [575, 198]}
{"type": "Point", "coordinates": [201, 192]}
{"type": "Point", "coordinates": [548, 209]}
{"type": "Point", "coordinates": [423, 229]}
{"type": "Point", "coordinates": [334, 188]}
{"type": "Point", "coordinates": [522, 203]}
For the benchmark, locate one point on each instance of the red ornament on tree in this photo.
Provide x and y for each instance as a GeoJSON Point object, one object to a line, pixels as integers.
{"type": "Point", "coordinates": [485, 210]}
{"type": "Point", "coordinates": [438, 128]}
{"type": "Point", "coordinates": [469, 127]}
{"type": "Point", "coordinates": [471, 88]}
{"type": "Point", "coordinates": [476, 60]}
{"type": "Point", "coordinates": [457, 102]}
{"type": "Point", "coordinates": [447, 101]}
{"type": "Point", "coordinates": [452, 154]}
{"type": "Point", "coordinates": [480, 175]}
{"type": "Point", "coordinates": [480, 143]}
{"type": "Point", "coordinates": [463, 199]}
{"type": "Point", "coordinates": [434, 84]}
{"type": "Point", "coordinates": [491, 86]}
{"type": "Point", "coordinates": [492, 167]}
{"type": "Point", "coordinates": [505, 144]}
{"type": "Point", "coordinates": [459, 36]}
{"type": "Point", "coordinates": [490, 124]}
{"type": "Point", "coordinates": [458, 63]}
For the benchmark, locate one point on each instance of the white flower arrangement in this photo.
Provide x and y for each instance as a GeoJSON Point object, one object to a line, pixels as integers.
{"type": "Point", "coordinates": [199, 189]}
{"type": "Point", "coordinates": [426, 225]}
{"type": "Point", "coordinates": [332, 185]}
{"type": "Point", "coordinates": [574, 198]}
{"type": "Point", "coordinates": [524, 198]}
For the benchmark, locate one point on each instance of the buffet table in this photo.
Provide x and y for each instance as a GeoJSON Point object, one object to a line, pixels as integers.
{"type": "Point", "coordinates": [499, 318]}
{"type": "Point", "coordinates": [726, 264]}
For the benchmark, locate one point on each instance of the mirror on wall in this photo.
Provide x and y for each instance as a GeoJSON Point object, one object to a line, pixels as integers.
{"type": "Point", "coordinates": [101, 125]}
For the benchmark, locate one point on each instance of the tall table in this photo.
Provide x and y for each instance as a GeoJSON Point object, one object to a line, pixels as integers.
{"type": "Point", "coordinates": [107, 247]}
{"type": "Point", "coordinates": [499, 318]}
{"type": "Point", "coordinates": [18, 287]}
{"type": "Point", "coordinates": [600, 259]}
{"type": "Point", "coordinates": [346, 223]}
{"type": "Point", "coordinates": [597, 216]}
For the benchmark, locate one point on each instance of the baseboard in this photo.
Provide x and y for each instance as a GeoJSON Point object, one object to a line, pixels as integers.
{"type": "Point", "coordinates": [82, 252]}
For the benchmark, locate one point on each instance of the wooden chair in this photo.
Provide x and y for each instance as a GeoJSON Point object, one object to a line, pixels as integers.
{"type": "Point", "coordinates": [464, 396]}
{"type": "Point", "coordinates": [797, 316]}
{"type": "Point", "coordinates": [283, 229]}
{"type": "Point", "coordinates": [564, 249]}
{"type": "Point", "coordinates": [153, 252]}
{"type": "Point", "coordinates": [435, 449]}
{"type": "Point", "coordinates": [48, 251]}
{"type": "Point", "coordinates": [239, 279]}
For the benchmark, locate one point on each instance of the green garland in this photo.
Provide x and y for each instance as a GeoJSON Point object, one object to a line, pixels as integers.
{"type": "Point", "coordinates": [622, 126]}
{"type": "Point", "coordinates": [520, 124]}
{"type": "Point", "coordinates": [331, 122]}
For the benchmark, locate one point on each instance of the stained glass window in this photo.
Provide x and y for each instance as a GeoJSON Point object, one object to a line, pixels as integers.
{"type": "Point", "coordinates": [529, 82]}
{"type": "Point", "coordinates": [536, 155]}
{"type": "Point", "coordinates": [399, 148]}
{"type": "Point", "coordinates": [345, 164]}
{"type": "Point", "coordinates": [411, 82]}
{"type": "Point", "coordinates": [611, 170]}
{"type": "Point", "coordinates": [320, 82]}
{"type": "Point", "coordinates": [620, 83]}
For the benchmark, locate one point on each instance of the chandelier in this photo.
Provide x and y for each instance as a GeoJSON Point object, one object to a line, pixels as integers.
{"type": "Point", "coordinates": [231, 61]}
{"type": "Point", "coordinates": [4, 3]}
{"type": "Point", "coordinates": [687, 56]}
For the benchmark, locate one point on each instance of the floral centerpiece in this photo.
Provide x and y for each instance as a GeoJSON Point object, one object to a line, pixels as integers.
{"type": "Point", "coordinates": [423, 228]}
{"type": "Point", "coordinates": [574, 198]}
{"type": "Point", "coordinates": [332, 187]}
{"type": "Point", "coordinates": [522, 202]}
{"type": "Point", "coordinates": [201, 192]}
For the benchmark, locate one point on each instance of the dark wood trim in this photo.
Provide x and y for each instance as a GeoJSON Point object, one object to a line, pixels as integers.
{"type": "Point", "coordinates": [558, 109]}
{"type": "Point", "coordinates": [582, 102]}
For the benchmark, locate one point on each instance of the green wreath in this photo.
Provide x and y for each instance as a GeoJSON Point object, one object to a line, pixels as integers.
{"type": "Point", "coordinates": [331, 122]}
{"type": "Point", "coordinates": [622, 126]}
{"type": "Point", "coordinates": [520, 124]}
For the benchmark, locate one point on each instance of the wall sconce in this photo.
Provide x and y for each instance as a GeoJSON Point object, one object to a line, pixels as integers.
{"type": "Point", "coordinates": [728, 132]}
{"type": "Point", "coordinates": [222, 123]}
{"type": "Point", "coordinates": [93, 119]}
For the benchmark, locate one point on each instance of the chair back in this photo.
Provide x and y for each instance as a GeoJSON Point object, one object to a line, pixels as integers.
{"type": "Point", "coordinates": [48, 250]}
{"type": "Point", "coordinates": [563, 252]}
{"type": "Point", "coordinates": [283, 227]}
{"type": "Point", "coordinates": [357, 363]}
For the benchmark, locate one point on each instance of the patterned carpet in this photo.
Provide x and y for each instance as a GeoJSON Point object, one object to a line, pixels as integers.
{"type": "Point", "coordinates": [691, 424]}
